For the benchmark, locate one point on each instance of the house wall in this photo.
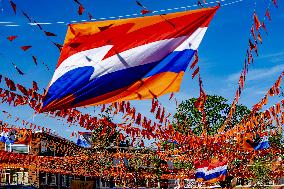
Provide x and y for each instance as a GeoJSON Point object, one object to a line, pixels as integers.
{"type": "Point", "coordinates": [33, 175]}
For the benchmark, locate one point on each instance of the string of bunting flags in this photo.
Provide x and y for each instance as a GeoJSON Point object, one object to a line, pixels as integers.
{"type": "Point", "coordinates": [251, 51]}
{"type": "Point", "coordinates": [207, 158]}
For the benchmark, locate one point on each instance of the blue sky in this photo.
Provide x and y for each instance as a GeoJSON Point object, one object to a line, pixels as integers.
{"type": "Point", "coordinates": [221, 53]}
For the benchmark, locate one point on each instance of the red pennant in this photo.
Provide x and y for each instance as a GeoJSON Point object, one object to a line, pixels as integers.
{"type": "Point", "coordinates": [23, 90]}
{"type": "Point", "coordinates": [76, 1]}
{"type": "Point", "coordinates": [25, 14]}
{"type": "Point", "coordinates": [121, 137]}
{"type": "Point", "coordinates": [158, 113]}
{"type": "Point", "coordinates": [25, 48]}
{"type": "Point", "coordinates": [259, 37]}
{"type": "Point", "coordinates": [103, 108]}
{"type": "Point", "coordinates": [199, 3]}
{"type": "Point", "coordinates": [138, 119]}
{"type": "Point", "coordinates": [90, 16]}
{"type": "Point", "coordinates": [18, 70]}
{"type": "Point", "coordinates": [193, 64]}
{"type": "Point", "coordinates": [154, 105]}
{"type": "Point", "coordinates": [253, 33]}
{"type": "Point", "coordinates": [256, 21]}
{"type": "Point", "coordinates": [199, 104]}
{"type": "Point", "coordinates": [12, 38]}
{"type": "Point", "coordinates": [241, 81]}
{"type": "Point", "coordinates": [38, 25]}
{"type": "Point", "coordinates": [145, 11]}
{"type": "Point", "coordinates": [196, 71]}
{"type": "Point", "coordinates": [35, 86]}
{"type": "Point", "coordinates": [34, 59]}
{"type": "Point", "coordinates": [80, 9]}
{"type": "Point", "coordinates": [10, 84]}
{"type": "Point", "coordinates": [14, 6]}
{"type": "Point", "coordinates": [275, 3]}
{"type": "Point", "coordinates": [49, 34]}
{"type": "Point", "coordinates": [267, 14]}
{"type": "Point", "coordinates": [171, 96]}
{"type": "Point", "coordinates": [251, 45]}
{"type": "Point", "coordinates": [264, 27]}
{"type": "Point", "coordinates": [59, 46]}
{"type": "Point", "coordinates": [139, 4]}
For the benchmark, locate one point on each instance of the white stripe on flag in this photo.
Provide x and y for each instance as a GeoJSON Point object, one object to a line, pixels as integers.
{"type": "Point", "coordinates": [144, 54]}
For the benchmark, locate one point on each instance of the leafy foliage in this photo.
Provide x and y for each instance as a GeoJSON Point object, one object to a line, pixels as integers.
{"type": "Point", "coordinates": [104, 135]}
{"type": "Point", "coordinates": [261, 170]}
{"type": "Point", "coordinates": [189, 119]}
{"type": "Point", "coordinates": [277, 141]}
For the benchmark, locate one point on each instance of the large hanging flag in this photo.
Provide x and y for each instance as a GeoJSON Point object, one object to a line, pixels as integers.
{"type": "Point", "coordinates": [263, 144]}
{"type": "Point", "coordinates": [212, 172]}
{"type": "Point", "coordinates": [7, 137]}
{"type": "Point", "coordinates": [84, 139]}
{"type": "Point", "coordinates": [259, 143]}
{"type": "Point", "coordinates": [128, 59]}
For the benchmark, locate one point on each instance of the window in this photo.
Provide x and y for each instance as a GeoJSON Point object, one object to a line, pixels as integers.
{"type": "Point", "coordinates": [125, 161]}
{"type": "Point", "coordinates": [170, 164]}
{"type": "Point", "coordinates": [17, 148]}
{"type": "Point", "coordinates": [105, 183]}
{"type": "Point", "coordinates": [98, 181]}
{"type": "Point", "coordinates": [14, 178]}
{"type": "Point", "coordinates": [64, 180]}
{"type": "Point", "coordinates": [52, 179]}
{"type": "Point", "coordinates": [26, 178]}
{"type": "Point", "coordinates": [189, 183]}
{"type": "Point", "coordinates": [173, 183]}
{"type": "Point", "coordinates": [43, 178]}
{"type": "Point", "coordinates": [43, 146]}
{"type": "Point", "coordinates": [46, 150]}
{"type": "Point", "coordinates": [116, 162]}
{"type": "Point", "coordinates": [70, 178]}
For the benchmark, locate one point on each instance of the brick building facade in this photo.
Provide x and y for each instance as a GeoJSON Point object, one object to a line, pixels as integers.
{"type": "Point", "coordinates": [40, 144]}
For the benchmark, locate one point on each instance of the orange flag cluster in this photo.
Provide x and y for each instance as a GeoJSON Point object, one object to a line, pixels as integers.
{"type": "Point", "coordinates": [188, 149]}
{"type": "Point", "coordinates": [251, 52]}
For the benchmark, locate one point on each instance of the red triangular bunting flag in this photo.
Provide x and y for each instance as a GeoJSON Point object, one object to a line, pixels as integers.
{"type": "Point", "coordinates": [196, 71]}
{"type": "Point", "coordinates": [49, 33]}
{"type": "Point", "coordinates": [81, 9]}
{"type": "Point", "coordinates": [267, 14]}
{"type": "Point", "coordinates": [12, 38]}
{"type": "Point", "coordinates": [14, 6]}
{"type": "Point", "coordinates": [256, 21]}
{"type": "Point", "coordinates": [145, 11]}
{"type": "Point", "coordinates": [25, 48]}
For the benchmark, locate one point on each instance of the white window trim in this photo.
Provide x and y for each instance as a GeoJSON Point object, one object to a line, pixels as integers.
{"type": "Point", "coordinates": [45, 180]}
{"type": "Point", "coordinates": [16, 145]}
{"type": "Point", "coordinates": [53, 183]}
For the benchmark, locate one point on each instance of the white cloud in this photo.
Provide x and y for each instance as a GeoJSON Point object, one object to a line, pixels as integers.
{"type": "Point", "coordinates": [273, 57]}
{"type": "Point", "coordinates": [12, 25]}
{"type": "Point", "coordinates": [257, 74]}
{"type": "Point", "coordinates": [3, 22]}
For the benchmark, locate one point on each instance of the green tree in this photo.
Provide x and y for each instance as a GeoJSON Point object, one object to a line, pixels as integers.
{"type": "Point", "coordinates": [277, 141]}
{"type": "Point", "coordinates": [104, 135]}
{"type": "Point", "coordinates": [261, 168]}
{"type": "Point", "coordinates": [188, 119]}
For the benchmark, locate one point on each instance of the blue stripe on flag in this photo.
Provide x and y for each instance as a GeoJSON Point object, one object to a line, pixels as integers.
{"type": "Point", "coordinates": [176, 61]}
